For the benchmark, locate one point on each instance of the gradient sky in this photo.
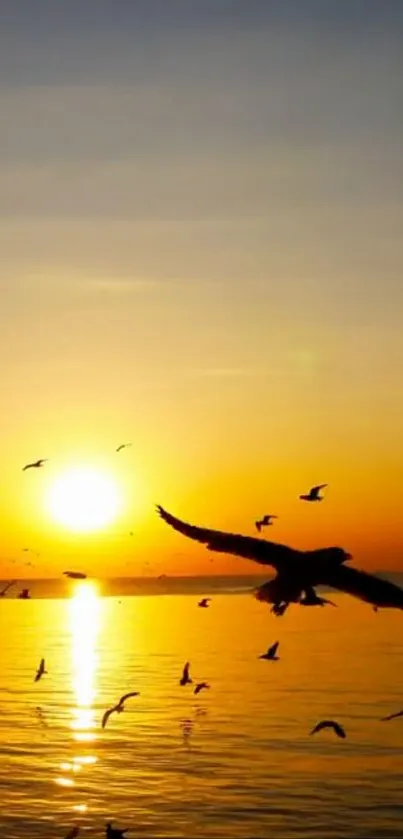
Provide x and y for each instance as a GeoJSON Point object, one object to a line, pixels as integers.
{"type": "Point", "coordinates": [201, 252]}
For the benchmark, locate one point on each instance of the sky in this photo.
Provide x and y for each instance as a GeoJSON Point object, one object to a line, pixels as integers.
{"type": "Point", "coordinates": [201, 253]}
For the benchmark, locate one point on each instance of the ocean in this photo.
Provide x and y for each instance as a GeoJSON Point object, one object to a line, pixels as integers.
{"type": "Point", "coordinates": [235, 761]}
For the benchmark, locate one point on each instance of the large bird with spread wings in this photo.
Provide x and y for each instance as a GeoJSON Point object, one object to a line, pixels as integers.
{"type": "Point", "coordinates": [297, 571]}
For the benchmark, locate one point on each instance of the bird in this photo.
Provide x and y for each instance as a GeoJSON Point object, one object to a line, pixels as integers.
{"type": "Point", "coordinates": [337, 728]}
{"type": "Point", "coordinates": [296, 570]}
{"type": "Point", "coordinates": [201, 686]}
{"type": "Point", "coordinates": [40, 671]}
{"type": "Point", "coordinates": [114, 832]}
{"type": "Point", "coordinates": [118, 708]}
{"type": "Point", "coordinates": [313, 494]}
{"type": "Point", "coordinates": [4, 591]}
{"type": "Point", "coordinates": [271, 653]}
{"type": "Point", "coordinates": [392, 716]}
{"type": "Point", "coordinates": [37, 464]}
{"type": "Point", "coordinates": [75, 575]}
{"type": "Point", "coordinates": [185, 679]}
{"type": "Point", "coordinates": [266, 521]}
{"type": "Point", "coordinates": [73, 833]}
{"type": "Point", "coordinates": [203, 603]}
{"type": "Point", "coordinates": [123, 446]}
{"type": "Point", "coordinates": [24, 594]}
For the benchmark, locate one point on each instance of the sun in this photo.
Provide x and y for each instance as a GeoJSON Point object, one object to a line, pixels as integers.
{"type": "Point", "coordinates": [84, 499]}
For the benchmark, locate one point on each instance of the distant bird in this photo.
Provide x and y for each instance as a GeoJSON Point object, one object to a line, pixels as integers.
{"type": "Point", "coordinates": [266, 521]}
{"type": "Point", "coordinates": [36, 465]}
{"type": "Point", "coordinates": [312, 599]}
{"type": "Point", "coordinates": [73, 833]}
{"type": "Point", "coordinates": [271, 653]}
{"type": "Point", "coordinates": [330, 724]}
{"type": "Point", "coordinates": [40, 671]}
{"type": "Point", "coordinates": [186, 680]}
{"type": "Point", "coordinates": [75, 575]}
{"type": "Point", "coordinates": [201, 686]}
{"type": "Point", "coordinates": [123, 446]}
{"type": "Point", "coordinates": [204, 602]}
{"type": "Point", "coordinates": [4, 591]}
{"type": "Point", "coordinates": [117, 709]}
{"type": "Point", "coordinates": [392, 716]}
{"type": "Point", "coordinates": [313, 494]}
{"type": "Point", "coordinates": [114, 832]}
{"type": "Point", "coordinates": [24, 594]}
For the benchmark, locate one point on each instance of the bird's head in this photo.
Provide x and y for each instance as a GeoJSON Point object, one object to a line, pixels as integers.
{"type": "Point", "coordinates": [332, 556]}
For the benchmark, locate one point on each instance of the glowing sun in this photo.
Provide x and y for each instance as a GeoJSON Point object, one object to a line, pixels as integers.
{"type": "Point", "coordinates": [84, 499]}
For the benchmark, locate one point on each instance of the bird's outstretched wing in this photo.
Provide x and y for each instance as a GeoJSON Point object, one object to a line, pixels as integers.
{"type": "Point", "coordinates": [315, 490]}
{"type": "Point", "coordinates": [337, 728]}
{"type": "Point", "coordinates": [127, 696]}
{"type": "Point", "coordinates": [392, 716]}
{"type": "Point", "coordinates": [273, 649]}
{"type": "Point", "coordinates": [249, 547]}
{"type": "Point", "coordinates": [106, 716]}
{"type": "Point", "coordinates": [365, 586]}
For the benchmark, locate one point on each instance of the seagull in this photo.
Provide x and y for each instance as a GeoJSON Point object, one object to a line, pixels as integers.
{"type": "Point", "coordinates": [271, 653]}
{"type": "Point", "coordinates": [114, 832]}
{"type": "Point", "coordinates": [36, 465]}
{"type": "Point", "coordinates": [203, 603]}
{"type": "Point", "coordinates": [392, 716]}
{"type": "Point", "coordinates": [40, 671]}
{"type": "Point", "coordinates": [313, 494]}
{"type": "Point", "coordinates": [330, 724]}
{"type": "Point", "coordinates": [73, 833]}
{"type": "Point", "coordinates": [201, 686]}
{"type": "Point", "coordinates": [75, 575]}
{"type": "Point", "coordinates": [185, 680]}
{"type": "Point", "coordinates": [264, 522]}
{"type": "Point", "coordinates": [123, 446]}
{"type": "Point", "coordinates": [117, 708]}
{"type": "Point", "coordinates": [4, 591]}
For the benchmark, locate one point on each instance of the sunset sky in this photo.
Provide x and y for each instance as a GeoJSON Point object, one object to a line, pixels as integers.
{"type": "Point", "coordinates": [201, 253]}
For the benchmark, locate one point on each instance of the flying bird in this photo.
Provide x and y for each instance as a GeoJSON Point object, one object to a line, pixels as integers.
{"type": "Point", "coordinates": [313, 494]}
{"type": "Point", "coordinates": [117, 709]}
{"type": "Point", "coordinates": [114, 832]}
{"type": "Point", "coordinates": [40, 671]}
{"type": "Point", "coordinates": [185, 679]}
{"type": "Point", "coordinates": [297, 571]}
{"type": "Point", "coordinates": [123, 446]}
{"type": "Point", "coordinates": [4, 591]}
{"type": "Point", "coordinates": [271, 653]}
{"type": "Point", "coordinates": [337, 728]}
{"type": "Point", "coordinates": [73, 833]}
{"type": "Point", "coordinates": [201, 686]}
{"type": "Point", "coordinates": [266, 521]}
{"type": "Point", "coordinates": [392, 716]}
{"type": "Point", "coordinates": [203, 603]}
{"type": "Point", "coordinates": [75, 575]}
{"type": "Point", "coordinates": [36, 465]}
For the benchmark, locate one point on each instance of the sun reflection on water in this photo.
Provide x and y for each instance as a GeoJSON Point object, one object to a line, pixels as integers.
{"type": "Point", "coordinates": [84, 625]}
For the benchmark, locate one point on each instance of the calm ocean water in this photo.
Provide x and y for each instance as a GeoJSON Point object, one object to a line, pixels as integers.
{"type": "Point", "coordinates": [237, 761]}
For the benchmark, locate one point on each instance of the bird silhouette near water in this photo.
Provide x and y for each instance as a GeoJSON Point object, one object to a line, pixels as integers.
{"type": "Point", "coordinates": [40, 671]}
{"type": "Point", "coordinates": [119, 707]}
{"type": "Point", "coordinates": [337, 728]}
{"type": "Point", "coordinates": [266, 521]}
{"type": "Point", "coordinates": [201, 686]}
{"type": "Point", "coordinates": [185, 678]}
{"type": "Point", "coordinates": [392, 716]}
{"type": "Point", "coordinates": [313, 494]}
{"type": "Point", "coordinates": [271, 653]}
{"type": "Point", "coordinates": [204, 602]}
{"type": "Point", "coordinates": [37, 464]}
{"type": "Point", "coordinates": [298, 572]}
{"type": "Point", "coordinates": [114, 832]}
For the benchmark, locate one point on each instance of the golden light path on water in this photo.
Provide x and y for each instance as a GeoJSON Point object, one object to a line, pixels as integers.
{"type": "Point", "coordinates": [84, 622]}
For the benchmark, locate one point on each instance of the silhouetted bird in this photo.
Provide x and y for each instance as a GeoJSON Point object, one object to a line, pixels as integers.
{"type": "Point", "coordinates": [24, 594]}
{"type": "Point", "coordinates": [4, 591]}
{"type": "Point", "coordinates": [266, 521]}
{"type": "Point", "coordinates": [73, 833]}
{"type": "Point", "coordinates": [204, 602]}
{"type": "Point", "coordinates": [36, 465]}
{"type": "Point", "coordinates": [201, 686]}
{"type": "Point", "coordinates": [117, 709]}
{"type": "Point", "coordinates": [337, 728]}
{"type": "Point", "coordinates": [271, 653]}
{"type": "Point", "coordinates": [185, 679]}
{"type": "Point", "coordinates": [114, 832]}
{"type": "Point", "coordinates": [123, 446]}
{"type": "Point", "coordinates": [312, 599]}
{"type": "Point", "coordinates": [75, 575]}
{"type": "Point", "coordinates": [313, 494]}
{"type": "Point", "coordinates": [40, 671]}
{"type": "Point", "coordinates": [296, 570]}
{"type": "Point", "coordinates": [392, 716]}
